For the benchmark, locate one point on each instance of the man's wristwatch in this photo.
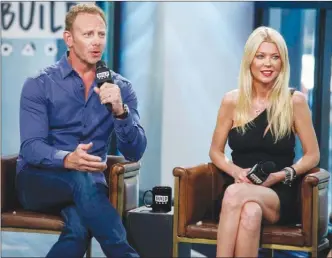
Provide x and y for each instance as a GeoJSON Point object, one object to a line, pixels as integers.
{"type": "Point", "coordinates": [124, 114]}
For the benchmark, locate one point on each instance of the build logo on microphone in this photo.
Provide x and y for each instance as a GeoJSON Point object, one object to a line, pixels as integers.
{"type": "Point", "coordinates": [103, 75]}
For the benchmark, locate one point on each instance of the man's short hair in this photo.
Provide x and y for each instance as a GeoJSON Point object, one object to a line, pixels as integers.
{"type": "Point", "coordinates": [81, 8]}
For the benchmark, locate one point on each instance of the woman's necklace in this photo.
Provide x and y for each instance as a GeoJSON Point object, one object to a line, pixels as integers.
{"type": "Point", "coordinates": [259, 110]}
{"type": "Point", "coordinates": [260, 107]}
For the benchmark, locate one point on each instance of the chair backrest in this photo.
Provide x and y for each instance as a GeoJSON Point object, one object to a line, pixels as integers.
{"type": "Point", "coordinates": [219, 183]}
{"type": "Point", "coordinates": [131, 193]}
{"type": "Point", "coordinates": [128, 183]}
{"type": "Point", "coordinates": [9, 199]}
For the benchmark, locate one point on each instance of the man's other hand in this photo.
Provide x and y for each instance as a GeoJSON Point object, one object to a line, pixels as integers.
{"type": "Point", "coordinates": [82, 161]}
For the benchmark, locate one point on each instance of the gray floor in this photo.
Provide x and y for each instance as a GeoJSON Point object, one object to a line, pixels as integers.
{"type": "Point", "coordinates": [33, 245]}
{"type": "Point", "coordinates": [37, 245]}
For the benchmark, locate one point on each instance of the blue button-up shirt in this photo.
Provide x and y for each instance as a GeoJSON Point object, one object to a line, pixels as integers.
{"type": "Point", "coordinates": [55, 117]}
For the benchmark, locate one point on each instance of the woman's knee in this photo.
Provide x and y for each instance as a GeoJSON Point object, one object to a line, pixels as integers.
{"type": "Point", "coordinates": [251, 216]}
{"type": "Point", "coordinates": [233, 198]}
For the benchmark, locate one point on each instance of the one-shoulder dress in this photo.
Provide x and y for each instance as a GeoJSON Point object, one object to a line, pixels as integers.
{"type": "Point", "coordinates": [253, 147]}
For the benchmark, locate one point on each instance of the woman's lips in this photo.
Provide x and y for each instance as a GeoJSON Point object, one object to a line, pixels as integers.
{"type": "Point", "coordinates": [267, 73]}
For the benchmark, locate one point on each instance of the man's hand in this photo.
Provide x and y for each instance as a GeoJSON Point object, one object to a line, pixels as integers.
{"type": "Point", "coordinates": [241, 176]}
{"type": "Point", "coordinates": [82, 161]}
{"type": "Point", "coordinates": [110, 93]}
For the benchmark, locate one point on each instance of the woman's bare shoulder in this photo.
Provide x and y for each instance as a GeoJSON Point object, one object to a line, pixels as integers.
{"type": "Point", "coordinates": [299, 99]}
{"type": "Point", "coordinates": [230, 98]}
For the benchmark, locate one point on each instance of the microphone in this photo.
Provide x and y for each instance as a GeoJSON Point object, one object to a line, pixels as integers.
{"type": "Point", "coordinates": [103, 75]}
{"type": "Point", "coordinates": [259, 172]}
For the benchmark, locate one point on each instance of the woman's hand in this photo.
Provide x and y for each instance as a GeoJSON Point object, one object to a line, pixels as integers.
{"type": "Point", "coordinates": [274, 178]}
{"type": "Point", "coordinates": [241, 176]}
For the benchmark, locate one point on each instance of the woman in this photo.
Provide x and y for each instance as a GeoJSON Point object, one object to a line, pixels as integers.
{"type": "Point", "coordinates": [260, 121]}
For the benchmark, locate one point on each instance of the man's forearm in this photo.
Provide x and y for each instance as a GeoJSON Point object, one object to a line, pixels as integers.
{"type": "Point", "coordinates": [131, 139]}
{"type": "Point", "coordinates": [133, 150]}
{"type": "Point", "coordinates": [37, 152]}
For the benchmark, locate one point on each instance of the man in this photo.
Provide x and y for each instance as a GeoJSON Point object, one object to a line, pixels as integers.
{"type": "Point", "coordinates": [65, 127]}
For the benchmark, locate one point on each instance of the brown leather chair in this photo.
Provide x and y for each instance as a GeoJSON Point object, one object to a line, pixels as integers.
{"type": "Point", "coordinates": [121, 176]}
{"type": "Point", "coordinates": [197, 187]}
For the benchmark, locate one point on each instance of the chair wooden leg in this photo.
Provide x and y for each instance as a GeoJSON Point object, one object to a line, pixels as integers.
{"type": "Point", "coordinates": [266, 253]}
{"type": "Point", "coordinates": [175, 249]}
{"type": "Point", "coordinates": [176, 218]}
{"type": "Point", "coordinates": [314, 253]}
{"type": "Point", "coordinates": [314, 230]}
{"type": "Point", "coordinates": [88, 251]}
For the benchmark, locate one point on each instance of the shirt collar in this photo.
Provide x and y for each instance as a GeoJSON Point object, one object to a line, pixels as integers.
{"type": "Point", "coordinates": [65, 66]}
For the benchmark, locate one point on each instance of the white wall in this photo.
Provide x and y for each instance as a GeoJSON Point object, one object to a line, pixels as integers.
{"type": "Point", "coordinates": [203, 50]}
{"type": "Point", "coordinates": [181, 57]}
{"type": "Point", "coordinates": [140, 62]}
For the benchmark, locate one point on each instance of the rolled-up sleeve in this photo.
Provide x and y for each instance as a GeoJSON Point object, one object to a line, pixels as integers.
{"type": "Point", "coordinates": [34, 128]}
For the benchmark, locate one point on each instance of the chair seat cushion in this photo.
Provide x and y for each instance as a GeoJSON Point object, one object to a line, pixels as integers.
{"type": "Point", "coordinates": [284, 235]}
{"type": "Point", "coordinates": [31, 220]}
{"type": "Point", "coordinates": [272, 234]}
{"type": "Point", "coordinates": [203, 229]}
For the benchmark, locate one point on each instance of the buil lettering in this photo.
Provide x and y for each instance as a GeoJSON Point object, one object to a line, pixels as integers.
{"type": "Point", "coordinates": [8, 16]}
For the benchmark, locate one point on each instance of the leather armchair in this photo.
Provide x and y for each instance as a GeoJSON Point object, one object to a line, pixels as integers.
{"type": "Point", "coordinates": [122, 178]}
{"type": "Point", "coordinates": [197, 188]}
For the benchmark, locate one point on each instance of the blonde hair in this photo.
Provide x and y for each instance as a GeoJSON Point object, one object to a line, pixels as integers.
{"type": "Point", "coordinates": [81, 8]}
{"type": "Point", "coordinates": [280, 112]}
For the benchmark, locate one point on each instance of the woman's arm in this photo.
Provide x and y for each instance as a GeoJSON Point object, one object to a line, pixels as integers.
{"type": "Point", "coordinates": [306, 133]}
{"type": "Point", "coordinates": [223, 126]}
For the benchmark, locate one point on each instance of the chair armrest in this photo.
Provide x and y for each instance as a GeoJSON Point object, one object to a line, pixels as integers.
{"type": "Point", "coordinates": [198, 187]}
{"type": "Point", "coordinates": [112, 160]}
{"type": "Point", "coordinates": [123, 183]}
{"type": "Point", "coordinates": [319, 178]}
{"type": "Point", "coordinates": [8, 175]}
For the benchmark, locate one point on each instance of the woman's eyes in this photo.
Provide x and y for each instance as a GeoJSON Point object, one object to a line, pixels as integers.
{"type": "Point", "coordinates": [262, 56]}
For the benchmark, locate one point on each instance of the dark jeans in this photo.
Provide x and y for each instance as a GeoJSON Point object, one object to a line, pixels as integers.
{"type": "Point", "coordinates": [84, 206]}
